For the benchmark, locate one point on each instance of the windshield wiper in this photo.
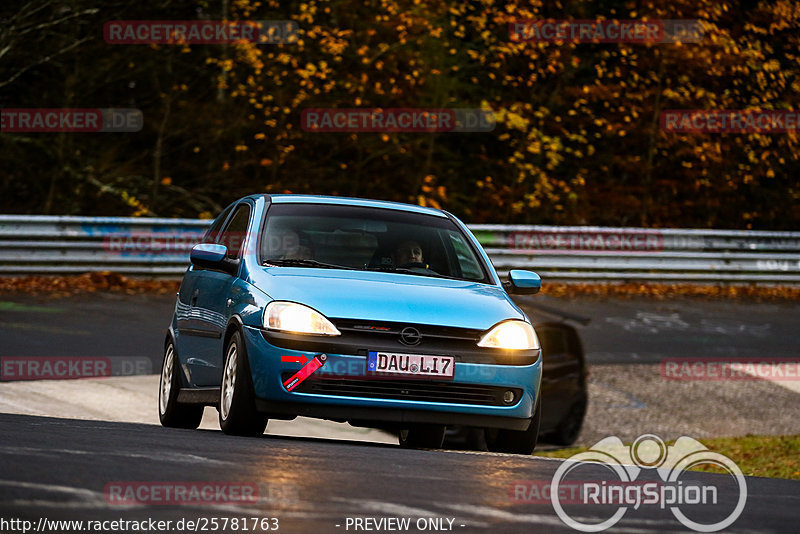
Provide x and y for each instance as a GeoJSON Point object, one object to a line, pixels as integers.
{"type": "Point", "coordinates": [404, 270]}
{"type": "Point", "coordinates": [284, 262]}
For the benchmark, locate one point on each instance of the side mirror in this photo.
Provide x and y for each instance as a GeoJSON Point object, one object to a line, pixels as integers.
{"type": "Point", "coordinates": [212, 256]}
{"type": "Point", "coordinates": [523, 282]}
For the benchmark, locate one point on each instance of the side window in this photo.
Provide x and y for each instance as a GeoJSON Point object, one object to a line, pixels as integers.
{"type": "Point", "coordinates": [469, 267]}
{"type": "Point", "coordinates": [234, 234]}
{"type": "Point", "coordinates": [213, 232]}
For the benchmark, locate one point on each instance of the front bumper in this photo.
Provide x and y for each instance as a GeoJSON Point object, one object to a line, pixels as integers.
{"type": "Point", "coordinates": [342, 391]}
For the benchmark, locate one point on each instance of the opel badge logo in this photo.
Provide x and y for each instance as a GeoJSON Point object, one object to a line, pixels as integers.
{"type": "Point", "coordinates": [410, 336]}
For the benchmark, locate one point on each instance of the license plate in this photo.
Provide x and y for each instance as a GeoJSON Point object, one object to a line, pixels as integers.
{"type": "Point", "coordinates": [390, 363]}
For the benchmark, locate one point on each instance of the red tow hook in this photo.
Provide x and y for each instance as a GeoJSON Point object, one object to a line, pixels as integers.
{"type": "Point", "coordinates": [307, 370]}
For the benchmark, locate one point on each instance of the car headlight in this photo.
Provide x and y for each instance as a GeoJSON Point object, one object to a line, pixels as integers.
{"type": "Point", "coordinates": [513, 335]}
{"type": "Point", "coordinates": [298, 319]}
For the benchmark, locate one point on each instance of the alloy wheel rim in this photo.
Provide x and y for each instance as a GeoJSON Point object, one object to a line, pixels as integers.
{"type": "Point", "coordinates": [228, 383]}
{"type": "Point", "coordinates": [166, 380]}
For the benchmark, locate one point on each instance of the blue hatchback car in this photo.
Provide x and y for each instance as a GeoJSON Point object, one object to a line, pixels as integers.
{"type": "Point", "coordinates": [381, 314]}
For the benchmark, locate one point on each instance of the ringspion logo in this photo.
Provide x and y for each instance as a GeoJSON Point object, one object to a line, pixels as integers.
{"type": "Point", "coordinates": [626, 491]}
{"type": "Point", "coordinates": [540, 491]}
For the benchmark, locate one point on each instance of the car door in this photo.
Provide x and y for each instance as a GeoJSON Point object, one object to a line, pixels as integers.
{"type": "Point", "coordinates": [212, 294]}
{"type": "Point", "coordinates": [191, 337]}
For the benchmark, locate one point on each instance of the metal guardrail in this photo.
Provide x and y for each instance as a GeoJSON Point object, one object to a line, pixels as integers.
{"type": "Point", "coordinates": [127, 245]}
{"type": "Point", "coordinates": [159, 247]}
{"type": "Point", "coordinates": [620, 254]}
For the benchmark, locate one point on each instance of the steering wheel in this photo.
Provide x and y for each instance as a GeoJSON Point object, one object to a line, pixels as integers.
{"type": "Point", "coordinates": [417, 266]}
{"type": "Point", "coordinates": [414, 265]}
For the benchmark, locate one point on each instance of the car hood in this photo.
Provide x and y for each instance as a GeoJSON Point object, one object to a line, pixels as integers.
{"type": "Point", "coordinates": [392, 297]}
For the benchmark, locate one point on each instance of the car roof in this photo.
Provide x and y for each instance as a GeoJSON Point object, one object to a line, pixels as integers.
{"type": "Point", "coordinates": [347, 201]}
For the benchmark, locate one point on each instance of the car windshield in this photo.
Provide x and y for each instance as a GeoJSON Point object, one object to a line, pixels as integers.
{"type": "Point", "coordinates": [364, 238]}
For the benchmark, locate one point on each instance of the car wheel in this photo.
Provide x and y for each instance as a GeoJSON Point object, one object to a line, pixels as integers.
{"type": "Point", "coordinates": [170, 412]}
{"type": "Point", "coordinates": [237, 407]}
{"type": "Point", "coordinates": [422, 437]}
{"type": "Point", "coordinates": [516, 441]}
{"type": "Point", "coordinates": [570, 426]}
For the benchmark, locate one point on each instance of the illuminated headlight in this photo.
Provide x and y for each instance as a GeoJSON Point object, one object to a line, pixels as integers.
{"type": "Point", "coordinates": [514, 335]}
{"type": "Point", "coordinates": [298, 319]}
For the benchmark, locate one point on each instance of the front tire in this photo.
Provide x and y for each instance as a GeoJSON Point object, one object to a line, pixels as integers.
{"type": "Point", "coordinates": [170, 412]}
{"type": "Point", "coordinates": [237, 402]}
{"type": "Point", "coordinates": [422, 437]}
{"type": "Point", "coordinates": [517, 441]}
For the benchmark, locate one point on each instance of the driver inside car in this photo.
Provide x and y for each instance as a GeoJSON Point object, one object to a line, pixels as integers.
{"type": "Point", "coordinates": [407, 252]}
{"type": "Point", "coordinates": [408, 255]}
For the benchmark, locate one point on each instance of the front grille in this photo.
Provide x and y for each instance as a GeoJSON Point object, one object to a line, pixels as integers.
{"type": "Point", "coordinates": [429, 333]}
{"type": "Point", "coordinates": [416, 390]}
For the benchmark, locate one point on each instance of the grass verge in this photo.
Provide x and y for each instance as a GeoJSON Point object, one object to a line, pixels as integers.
{"type": "Point", "coordinates": [760, 456]}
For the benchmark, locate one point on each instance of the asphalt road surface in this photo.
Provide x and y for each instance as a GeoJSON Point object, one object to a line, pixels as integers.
{"type": "Point", "coordinates": [61, 469]}
{"type": "Point", "coordinates": [643, 330]}
{"type": "Point", "coordinates": [68, 469]}
{"type": "Point", "coordinates": [620, 331]}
